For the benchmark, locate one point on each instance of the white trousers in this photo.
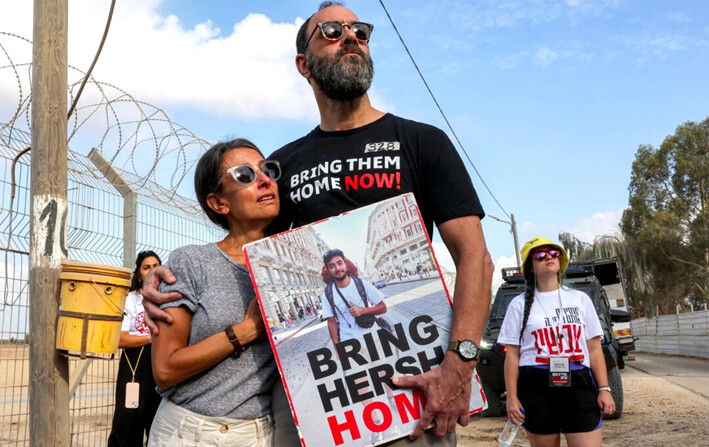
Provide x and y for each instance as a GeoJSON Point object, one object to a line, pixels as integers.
{"type": "Point", "coordinates": [175, 426]}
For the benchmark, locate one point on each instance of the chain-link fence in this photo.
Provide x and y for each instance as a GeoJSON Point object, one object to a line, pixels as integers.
{"type": "Point", "coordinates": [95, 234]}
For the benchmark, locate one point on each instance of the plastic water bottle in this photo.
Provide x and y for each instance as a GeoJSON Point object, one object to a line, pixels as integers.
{"type": "Point", "coordinates": [508, 433]}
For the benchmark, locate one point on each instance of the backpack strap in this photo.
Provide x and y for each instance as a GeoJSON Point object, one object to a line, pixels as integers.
{"type": "Point", "coordinates": [328, 295]}
{"type": "Point", "coordinates": [360, 288]}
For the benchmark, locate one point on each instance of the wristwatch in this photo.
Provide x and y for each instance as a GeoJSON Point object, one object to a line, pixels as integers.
{"type": "Point", "coordinates": [466, 349]}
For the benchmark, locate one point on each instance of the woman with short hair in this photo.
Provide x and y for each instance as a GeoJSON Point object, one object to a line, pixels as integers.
{"type": "Point", "coordinates": [214, 364]}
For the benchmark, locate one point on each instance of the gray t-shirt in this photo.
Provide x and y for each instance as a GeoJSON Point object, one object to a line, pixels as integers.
{"type": "Point", "coordinates": [217, 291]}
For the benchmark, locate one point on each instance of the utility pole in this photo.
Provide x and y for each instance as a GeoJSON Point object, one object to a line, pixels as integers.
{"type": "Point", "coordinates": [513, 230]}
{"type": "Point", "coordinates": [49, 371]}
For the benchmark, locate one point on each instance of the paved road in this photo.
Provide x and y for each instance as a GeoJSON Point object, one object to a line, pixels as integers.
{"type": "Point", "coordinates": [688, 372]}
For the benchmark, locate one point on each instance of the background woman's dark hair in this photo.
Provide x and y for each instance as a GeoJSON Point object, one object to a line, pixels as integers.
{"type": "Point", "coordinates": [136, 283]}
{"type": "Point", "coordinates": [207, 175]}
{"type": "Point", "coordinates": [528, 293]}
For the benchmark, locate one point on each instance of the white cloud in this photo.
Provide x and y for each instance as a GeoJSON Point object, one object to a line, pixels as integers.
{"type": "Point", "coordinates": [445, 261]}
{"type": "Point", "coordinates": [545, 57]}
{"type": "Point", "coordinates": [599, 224]}
{"type": "Point", "coordinates": [247, 72]}
{"type": "Point", "coordinates": [443, 256]}
{"type": "Point", "coordinates": [500, 263]}
{"type": "Point", "coordinates": [585, 228]}
{"type": "Point", "coordinates": [678, 16]}
{"type": "Point", "coordinates": [508, 62]}
{"type": "Point", "coordinates": [665, 44]}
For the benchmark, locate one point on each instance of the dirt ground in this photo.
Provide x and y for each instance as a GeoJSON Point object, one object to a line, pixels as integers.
{"type": "Point", "coordinates": [656, 413]}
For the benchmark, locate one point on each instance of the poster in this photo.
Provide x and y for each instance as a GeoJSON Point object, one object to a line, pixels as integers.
{"type": "Point", "coordinates": [338, 392]}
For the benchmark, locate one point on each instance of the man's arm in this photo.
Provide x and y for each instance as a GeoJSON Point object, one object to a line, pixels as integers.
{"type": "Point", "coordinates": [332, 329]}
{"type": "Point", "coordinates": [356, 311]}
{"type": "Point", "coordinates": [448, 387]}
{"type": "Point", "coordinates": [152, 297]}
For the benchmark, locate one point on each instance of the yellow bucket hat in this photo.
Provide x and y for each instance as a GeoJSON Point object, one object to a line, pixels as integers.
{"type": "Point", "coordinates": [541, 241]}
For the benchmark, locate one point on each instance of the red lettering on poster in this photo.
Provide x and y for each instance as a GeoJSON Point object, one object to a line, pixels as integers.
{"type": "Point", "coordinates": [336, 428]}
{"type": "Point", "coordinates": [408, 408]}
{"type": "Point", "coordinates": [369, 420]}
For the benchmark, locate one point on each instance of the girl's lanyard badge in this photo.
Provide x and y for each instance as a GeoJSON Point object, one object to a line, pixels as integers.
{"type": "Point", "coordinates": [559, 367]}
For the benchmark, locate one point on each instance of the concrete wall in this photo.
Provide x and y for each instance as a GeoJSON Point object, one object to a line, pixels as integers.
{"type": "Point", "coordinates": [679, 334]}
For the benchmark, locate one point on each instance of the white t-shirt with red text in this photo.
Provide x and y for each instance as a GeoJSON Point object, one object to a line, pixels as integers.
{"type": "Point", "coordinates": [134, 315]}
{"type": "Point", "coordinates": [579, 322]}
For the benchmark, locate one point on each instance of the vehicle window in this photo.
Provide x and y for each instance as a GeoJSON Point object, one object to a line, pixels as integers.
{"type": "Point", "coordinates": [501, 304]}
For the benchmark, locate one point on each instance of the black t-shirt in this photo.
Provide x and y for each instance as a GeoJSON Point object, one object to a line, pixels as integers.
{"type": "Point", "coordinates": [328, 173]}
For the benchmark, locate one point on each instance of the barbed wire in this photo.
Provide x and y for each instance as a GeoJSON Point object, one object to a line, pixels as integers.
{"type": "Point", "coordinates": [133, 135]}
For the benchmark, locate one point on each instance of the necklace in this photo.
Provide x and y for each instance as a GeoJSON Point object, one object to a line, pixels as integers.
{"type": "Point", "coordinates": [559, 335]}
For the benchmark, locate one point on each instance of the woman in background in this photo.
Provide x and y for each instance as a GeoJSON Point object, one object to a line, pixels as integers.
{"type": "Point", "coordinates": [551, 324]}
{"type": "Point", "coordinates": [132, 418]}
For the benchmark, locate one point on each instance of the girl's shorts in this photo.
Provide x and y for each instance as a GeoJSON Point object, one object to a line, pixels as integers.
{"type": "Point", "coordinates": [549, 410]}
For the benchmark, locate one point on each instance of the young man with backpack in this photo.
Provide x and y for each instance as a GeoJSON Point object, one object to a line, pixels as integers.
{"type": "Point", "coordinates": [350, 304]}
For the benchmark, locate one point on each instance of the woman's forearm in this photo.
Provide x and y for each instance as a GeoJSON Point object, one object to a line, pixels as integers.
{"type": "Point", "coordinates": [174, 361]}
{"type": "Point", "coordinates": [598, 362]}
{"type": "Point", "coordinates": [127, 340]}
{"type": "Point", "coordinates": [511, 368]}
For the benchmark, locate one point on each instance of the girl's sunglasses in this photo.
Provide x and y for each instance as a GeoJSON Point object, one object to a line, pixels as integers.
{"type": "Point", "coordinates": [335, 30]}
{"type": "Point", "coordinates": [541, 254]}
{"type": "Point", "coordinates": [245, 175]}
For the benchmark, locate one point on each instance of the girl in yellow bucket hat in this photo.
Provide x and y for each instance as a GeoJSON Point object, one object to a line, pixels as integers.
{"type": "Point", "coordinates": [555, 372]}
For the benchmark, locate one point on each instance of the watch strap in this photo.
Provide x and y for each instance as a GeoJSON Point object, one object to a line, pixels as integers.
{"type": "Point", "coordinates": [234, 340]}
{"type": "Point", "coordinates": [455, 347]}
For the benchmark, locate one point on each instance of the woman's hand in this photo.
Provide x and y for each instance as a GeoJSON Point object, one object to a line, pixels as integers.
{"type": "Point", "coordinates": [514, 410]}
{"type": "Point", "coordinates": [606, 402]}
{"type": "Point", "coordinates": [253, 319]}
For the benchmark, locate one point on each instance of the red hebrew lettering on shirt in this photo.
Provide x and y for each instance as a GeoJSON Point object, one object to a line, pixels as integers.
{"type": "Point", "coordinates": [546, 337]}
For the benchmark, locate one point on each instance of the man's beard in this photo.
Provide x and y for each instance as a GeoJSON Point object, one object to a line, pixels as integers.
{"type": "Point", "coordinates": [342, 80]}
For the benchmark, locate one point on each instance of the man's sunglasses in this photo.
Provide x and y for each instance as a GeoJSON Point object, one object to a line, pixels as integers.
{"type": "Point", "coordinates": [541, 254]}
{"type": "Point", "coordinates": [335, 30]}
{"type": "Point", "coordinates": [245, 175]}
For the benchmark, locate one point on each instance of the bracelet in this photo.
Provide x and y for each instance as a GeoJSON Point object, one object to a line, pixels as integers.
{"type": "Point", "coordinates": [234, 340]}
{"type": "Point", "coordinates": [604, 388]}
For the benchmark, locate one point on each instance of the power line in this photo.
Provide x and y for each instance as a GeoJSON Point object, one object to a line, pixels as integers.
{"type": "Point", "coordinates": [445, 118]}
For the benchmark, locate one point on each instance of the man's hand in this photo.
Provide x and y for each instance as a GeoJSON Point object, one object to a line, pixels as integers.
{"type": "Point", "coordinates": [355, 311]}
{"type": "Point", "coordinates": [152, 297]}
{"type": "Point", "coordinates": [447, 389]}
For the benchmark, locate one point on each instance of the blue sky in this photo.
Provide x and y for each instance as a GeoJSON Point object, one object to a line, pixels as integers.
{"type": "Point", "coordinates": [550, 99]}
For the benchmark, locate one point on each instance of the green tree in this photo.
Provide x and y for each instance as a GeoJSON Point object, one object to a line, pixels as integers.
{"type": "Point", "coordinates": [631, 260]}
{"type": "Point", "coordinates": [667, 222]}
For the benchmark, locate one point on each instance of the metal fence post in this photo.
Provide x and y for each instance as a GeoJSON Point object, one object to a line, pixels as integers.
{"type": "Point", "coordinates": [130, 203]}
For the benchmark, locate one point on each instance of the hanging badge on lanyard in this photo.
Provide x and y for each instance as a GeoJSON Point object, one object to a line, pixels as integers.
{"type": "Point", "coordinates": [132, 394]}
{"type": "Point", "coordinates": [559, 371]}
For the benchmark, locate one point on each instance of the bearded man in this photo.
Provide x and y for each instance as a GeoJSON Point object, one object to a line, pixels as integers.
{"type": "Point", "coordinates": [357, 156]}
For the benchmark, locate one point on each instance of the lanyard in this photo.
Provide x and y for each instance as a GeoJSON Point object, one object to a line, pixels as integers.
{"type": "Point", "coordinates": [132, 370]}
{"type": "Point", "coordinates": [559, 335]}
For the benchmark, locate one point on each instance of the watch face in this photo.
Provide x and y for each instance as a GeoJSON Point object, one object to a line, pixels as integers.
{"type": "Point", "coordinates": [468, 349]}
